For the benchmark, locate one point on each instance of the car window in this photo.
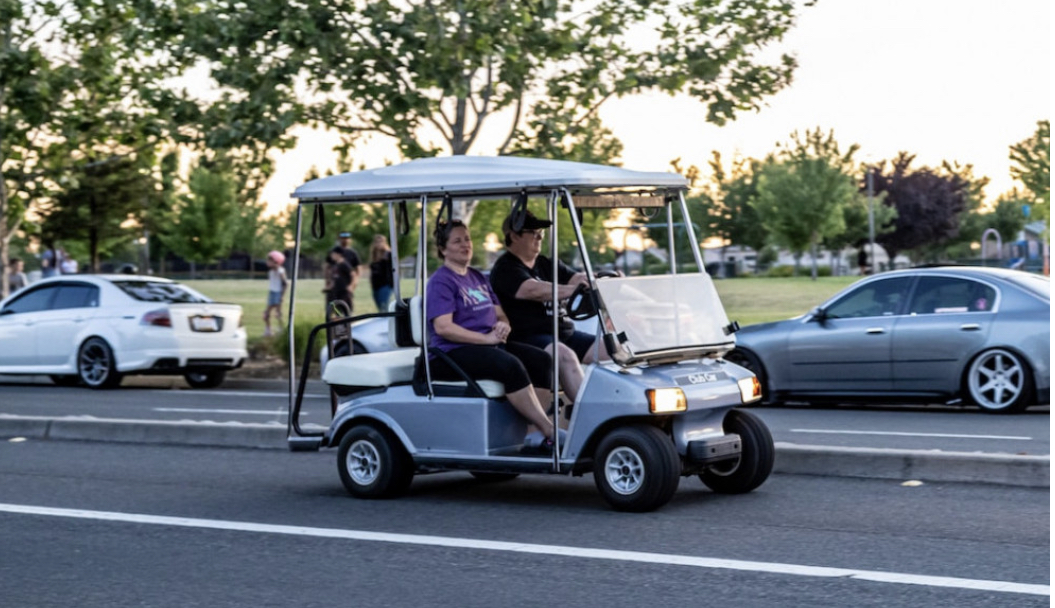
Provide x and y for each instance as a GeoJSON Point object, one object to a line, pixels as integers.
{"type": "Point", "coordinates": [153, 291]}
{"type": "Point", "coordinates": [878, 298]}
{"type": "Point", "coordinates": [76, 296]}
{"type": "Point", "coordinates": [943, 295]}
{"type": "Point", "coordinates": [32, 301]}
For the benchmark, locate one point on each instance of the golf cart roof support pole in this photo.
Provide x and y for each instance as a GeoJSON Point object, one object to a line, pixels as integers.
{"type": "Point", "coordinates": [695, 244]}
{"type": "Point", "coordinates": [551, 211]}
{"type": "Point", "coordinates": [393, 233]}
{"type": "Point", "coordinates": [423, 240]}
{"type": "Point", "coordinates": [289, 322]}
{"type": "Point", "coordinates": [670, 238]}
{"type": "Point", "coordinates": [587, 267]}
{"type": "Point", "coordinates": [578, 235]}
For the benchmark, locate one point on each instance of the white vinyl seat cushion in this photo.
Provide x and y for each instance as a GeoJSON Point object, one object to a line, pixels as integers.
{"type": "Point", "coordinates": [372, 369]}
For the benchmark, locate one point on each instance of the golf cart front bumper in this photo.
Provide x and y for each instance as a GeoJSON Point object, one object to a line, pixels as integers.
{"type": "Point", "coordinates": [714, 449]}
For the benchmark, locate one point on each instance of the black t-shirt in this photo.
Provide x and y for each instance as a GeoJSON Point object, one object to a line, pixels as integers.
{"type": "Point", "coordinates": [352, 258]}
{"type": "Point", "coordinates": [381, 273]}
{"type": "Point", "coordinates": [528, 316]}
{"type": "Point", "coordinates": [342, 278]}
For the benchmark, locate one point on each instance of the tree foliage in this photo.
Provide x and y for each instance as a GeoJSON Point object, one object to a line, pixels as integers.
{"type": "Point", "coordinates": [929, 204]}
{"type": "Point", "coordinates": [1032, 167]}
{"type": "Point", "coordinates": [803, 189]}
{"type": "Point", "coordinates": [199, 226]}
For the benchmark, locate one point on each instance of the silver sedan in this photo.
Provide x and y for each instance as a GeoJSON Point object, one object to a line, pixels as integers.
{"type": "Point", "coordinates": [942, 334]}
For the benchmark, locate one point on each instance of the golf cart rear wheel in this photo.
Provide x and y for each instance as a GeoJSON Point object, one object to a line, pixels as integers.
{"type": "Point", "coordinates": [373, 464]}
{"type": "Point", "coordinates": [755, 463]}
{"type": "Point", "coordinates": [637, 468]}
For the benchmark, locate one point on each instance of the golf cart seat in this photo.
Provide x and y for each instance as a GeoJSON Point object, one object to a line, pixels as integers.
{"type": "Point", "coordinates": [396, 366]}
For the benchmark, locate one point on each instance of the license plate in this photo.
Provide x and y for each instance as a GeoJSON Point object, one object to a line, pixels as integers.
{"type": "Point", "coordinates": [205, 323]}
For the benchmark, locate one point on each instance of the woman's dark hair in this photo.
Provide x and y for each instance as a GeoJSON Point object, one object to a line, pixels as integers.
{"type": "Point", "coordinates": [443, 234]}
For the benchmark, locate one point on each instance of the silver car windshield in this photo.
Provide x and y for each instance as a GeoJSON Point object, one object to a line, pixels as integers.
{"type": "Point", "coordinates": [666, 313]}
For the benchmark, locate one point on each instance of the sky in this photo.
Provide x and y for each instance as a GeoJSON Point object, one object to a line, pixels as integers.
{"type": "Point", "coordinates": [956, 80]}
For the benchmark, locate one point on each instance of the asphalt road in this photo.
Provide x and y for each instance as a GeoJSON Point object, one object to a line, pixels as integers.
{"type": "Point", "coordinates": [111, 525]}
{"type": "Point", "coordinates": [946, 428]}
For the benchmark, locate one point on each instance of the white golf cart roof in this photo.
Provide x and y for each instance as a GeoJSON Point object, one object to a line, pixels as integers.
{"type": "Point", "coordinates": [473, 176]}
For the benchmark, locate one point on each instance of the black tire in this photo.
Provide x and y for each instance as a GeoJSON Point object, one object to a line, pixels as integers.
{"type": "Point", "coordinates": [756, 456]}
{"type": "Point", "coordinates": [493, 477]}
{"type": "Point", "coordinates": [205, 379]}
{"type": "Point", "coordinates": [65, 380]}
{"type": "Point", "coordinates": [999, 382]}
{"type": "Point", "coordinates": [750, 361]}
{"type": "Point", "coordinates": [96, 365]}
{"type": "Point", "coordinates": [373, 464]}
{"type": "Point", "coordinates": [637, 468]}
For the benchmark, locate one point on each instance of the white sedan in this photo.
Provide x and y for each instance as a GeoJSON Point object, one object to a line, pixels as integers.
{"type": "Point", "coordinates": [94, 329]}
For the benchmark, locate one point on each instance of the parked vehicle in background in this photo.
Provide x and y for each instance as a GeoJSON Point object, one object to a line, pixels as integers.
{"type": "Point", "coordinates": [917, 335]}
{"type": "Point", "coordinates": [95, 329]}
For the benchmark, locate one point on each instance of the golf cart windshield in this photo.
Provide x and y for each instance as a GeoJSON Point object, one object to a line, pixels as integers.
{"type": "Point", "coordinates": [665, 316]}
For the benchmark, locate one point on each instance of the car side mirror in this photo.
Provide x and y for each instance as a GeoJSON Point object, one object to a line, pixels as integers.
{"type": "Point", "coordinates": [818, 314]}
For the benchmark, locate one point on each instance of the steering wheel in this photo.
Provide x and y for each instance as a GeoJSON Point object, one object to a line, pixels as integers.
{"type": "Point", "coordinates": [604, 274]}
{"type": "Point", "coordinates": [582, 304]}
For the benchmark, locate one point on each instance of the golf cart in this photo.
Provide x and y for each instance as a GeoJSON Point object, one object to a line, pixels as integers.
{"type": "Point", "coordinates": [661, 404]}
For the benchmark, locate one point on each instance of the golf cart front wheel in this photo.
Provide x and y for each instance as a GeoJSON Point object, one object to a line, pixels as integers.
{"type": "Point", "coordinates": [637, 468]}
{"type": "Point", "coordinates": [755, 463]}
{"type": "Point", "coordinates": [373, 464]}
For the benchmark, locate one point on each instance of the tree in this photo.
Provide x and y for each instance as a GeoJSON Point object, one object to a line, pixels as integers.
{"type": "Point", "coordinates": [201, 218]}
{"type": "Point", "coordinates": [928, 204]}
{"type": "Point", "coordinates": [437, 76]}
{"type": "Point", "coordinates": [855, 218]}
{"type": "Point", "coordinates": [731, 217]}
{"type": "Point", "coordinates": [30, 85]}
{"type": "Point", "coordinates": [1032, 167]}
{"type": "Point", "coordinates": [802, 190]}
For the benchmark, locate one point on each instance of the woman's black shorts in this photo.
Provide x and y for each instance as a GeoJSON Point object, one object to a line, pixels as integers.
{"type": "Point", "coordinates": [514, 364]}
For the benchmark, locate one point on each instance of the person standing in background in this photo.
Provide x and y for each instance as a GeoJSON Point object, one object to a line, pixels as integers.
{"type": "Point", "coordinates": [276, 289]}
{"type": "Point", "coordinates": [49, 261]}
{"type": "Point", "coordinates": [381, 282]}
{"type": "Point", "coordinates": [16, 277]}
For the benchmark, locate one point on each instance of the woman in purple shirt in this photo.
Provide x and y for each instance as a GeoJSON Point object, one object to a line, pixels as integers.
{"type": "Point", "coordinates": [467, 323]}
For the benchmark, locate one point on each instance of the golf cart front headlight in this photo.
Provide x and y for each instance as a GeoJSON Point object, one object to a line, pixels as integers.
{"type": "Point", "coordinates": [666, 400]}
{"type": "Point", "coordinates": [750, 389]}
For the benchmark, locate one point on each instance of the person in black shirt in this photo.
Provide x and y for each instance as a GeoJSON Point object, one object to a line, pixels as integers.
{"type": "Point", "coordinates": [340, 280]}
{"type": "Point", "coordinates": [522, 279]}
{"type": "Point", "coordinates": [381, 282]}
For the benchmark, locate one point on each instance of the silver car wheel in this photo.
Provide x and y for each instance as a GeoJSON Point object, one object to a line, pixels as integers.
{"type": "Point", "coordinates": [625, 470]}
{"type": "Point", "coordinates": [363, 462]}
{"type": "Point", "coordinates": [996, 380]}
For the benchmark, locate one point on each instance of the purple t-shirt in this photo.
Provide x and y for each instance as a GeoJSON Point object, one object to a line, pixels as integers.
{"type": "Point", "coordinates": [469, 298]}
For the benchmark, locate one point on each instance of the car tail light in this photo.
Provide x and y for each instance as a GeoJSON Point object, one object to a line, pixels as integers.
{"type": "Point", "coordinates": [157, 318]}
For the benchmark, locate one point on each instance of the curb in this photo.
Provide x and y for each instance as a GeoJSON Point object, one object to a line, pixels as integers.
{"type": "Point", "coordinates": [791, 459]}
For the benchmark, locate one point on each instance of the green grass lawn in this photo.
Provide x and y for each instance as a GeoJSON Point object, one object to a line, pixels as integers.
{"type": "Point", "coordinates": [747, 300]}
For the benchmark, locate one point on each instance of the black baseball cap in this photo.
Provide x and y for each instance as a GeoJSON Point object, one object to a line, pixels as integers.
{"type": "Point", "coordinates": [530, 223]}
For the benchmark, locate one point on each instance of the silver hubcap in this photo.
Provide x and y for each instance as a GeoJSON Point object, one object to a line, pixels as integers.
{"type": "Point", "coordinates": [624, 470]}
{"type": "Point", "coordinates": [996, 380]}
{"type": "Point", "coordinates": [364, 462]}
{"type": "Point", "coordinates": [94, 363]}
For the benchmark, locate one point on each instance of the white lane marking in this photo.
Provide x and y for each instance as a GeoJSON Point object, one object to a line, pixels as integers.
{"type": "Point", "coordinates": [558, 550]}
{"type": "Point", "coordinates": [235, 394]}
{"type": "Point", "coordinates": [194, 410]}
{"type": "Point", "coordinates": [899, 434]}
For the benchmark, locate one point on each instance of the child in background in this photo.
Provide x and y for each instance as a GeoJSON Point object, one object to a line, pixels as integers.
{"type": "Point", "coordinates": [276, 289]}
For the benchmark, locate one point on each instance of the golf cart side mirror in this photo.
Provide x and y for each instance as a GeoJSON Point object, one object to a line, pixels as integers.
{"type": "Point", "coordinates": [615, 351]}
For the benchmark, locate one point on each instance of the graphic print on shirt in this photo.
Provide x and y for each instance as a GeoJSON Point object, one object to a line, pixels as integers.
{"type": "Point", "coordinates": [474, 296]}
